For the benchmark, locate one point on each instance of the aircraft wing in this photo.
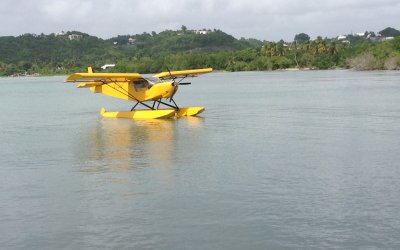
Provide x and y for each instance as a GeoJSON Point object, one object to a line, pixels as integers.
{"type": "Point", "coordinates": [182, 73]}
{"type": "Point", "coordinates": [103, 78]}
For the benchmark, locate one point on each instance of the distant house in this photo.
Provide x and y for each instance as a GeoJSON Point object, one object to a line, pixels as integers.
{"type": "Point", "coordinates": [341, 37]}
{"type": "Point", "coordinates": [74, 37]}
{"type": "Point", "coordinates": [62, 33]}
{"type": "Point", "coordinates": [359, 34]}
{"type": "Point", "coordinates": [201, 32]}
{"type": "Point", "coordinates": [131, 40]}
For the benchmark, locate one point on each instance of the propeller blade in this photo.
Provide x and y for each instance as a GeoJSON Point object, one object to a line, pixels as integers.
{"type": "Point", "coordinates": [174, 84]}
{"type": "Point", "coordinates": [173, 78]}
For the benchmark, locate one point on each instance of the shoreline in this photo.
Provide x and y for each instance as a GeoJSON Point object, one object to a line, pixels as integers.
{"type": "Point", "coordinates": [215, 71]}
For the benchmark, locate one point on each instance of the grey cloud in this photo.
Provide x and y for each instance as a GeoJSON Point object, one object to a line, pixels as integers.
{"type": "Point", "coordinates": [268, 19]}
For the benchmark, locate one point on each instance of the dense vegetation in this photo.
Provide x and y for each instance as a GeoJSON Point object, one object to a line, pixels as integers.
{"type": "Point", "coordinates": [145, 53]}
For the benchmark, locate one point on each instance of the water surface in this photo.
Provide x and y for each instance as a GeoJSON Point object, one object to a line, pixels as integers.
{"type": "Point", "coordinates": [306, 159]}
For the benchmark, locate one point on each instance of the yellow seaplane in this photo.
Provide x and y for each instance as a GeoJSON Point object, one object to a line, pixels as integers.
{"type": "Point", "coordinates": [155, 94]}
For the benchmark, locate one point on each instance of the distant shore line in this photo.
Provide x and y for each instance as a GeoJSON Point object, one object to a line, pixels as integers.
{"type": "Point", "coordinates": [217, 71]}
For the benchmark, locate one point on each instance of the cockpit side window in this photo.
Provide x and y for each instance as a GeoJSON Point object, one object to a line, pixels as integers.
{"type": "Point", "coordinates": [141, 84]}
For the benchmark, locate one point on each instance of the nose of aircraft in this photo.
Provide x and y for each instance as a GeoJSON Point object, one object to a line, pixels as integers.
{"type": "Point", "coordinates": [175, 90]}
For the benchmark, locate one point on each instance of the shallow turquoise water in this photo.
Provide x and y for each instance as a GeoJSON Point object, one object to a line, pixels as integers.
{"type": "Point", "coordinates": [306, 159]}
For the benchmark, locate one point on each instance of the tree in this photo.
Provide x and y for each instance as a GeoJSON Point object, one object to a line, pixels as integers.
{"type": "Point", "coordinates": [389, 32]}
{"type": "Point", "coordinates": [183, 28]}
{"type": "Point", "coordinates": [302, 38]}
{"type": "Point", "coordinates": [365, 61]}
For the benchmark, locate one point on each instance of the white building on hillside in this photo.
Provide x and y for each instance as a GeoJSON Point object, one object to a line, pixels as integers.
{"type": "Point", "coordinates": [74, 37]}
{"type": "Point", "coordinates": [202, 32]}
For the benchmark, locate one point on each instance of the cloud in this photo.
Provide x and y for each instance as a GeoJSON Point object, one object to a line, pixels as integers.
{"type": "Point", "coordinates": [62, 10]}
{"type": "Point", "coordinates": [268, 19]}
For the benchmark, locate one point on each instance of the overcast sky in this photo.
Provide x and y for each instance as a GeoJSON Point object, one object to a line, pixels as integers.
{"type": "Point", "coordinates": [264, 19]}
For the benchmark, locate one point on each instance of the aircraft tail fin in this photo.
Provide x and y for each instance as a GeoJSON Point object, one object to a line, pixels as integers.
{"type": "Point", "coordinates": [90, 70]}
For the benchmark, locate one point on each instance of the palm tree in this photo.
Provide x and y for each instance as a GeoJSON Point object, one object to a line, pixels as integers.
{"type": "Point", "coordinates": [268, 49]}
{"type": "Point", "coordinates": [332, 48]}
{"type": "Point", "coordinates": [280, 50]}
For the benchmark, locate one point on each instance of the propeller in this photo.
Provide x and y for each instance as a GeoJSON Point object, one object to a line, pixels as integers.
{"type": "Point", "coordinates": [175, 84]}
{"type": "Point", "coordinates": [173, 78]}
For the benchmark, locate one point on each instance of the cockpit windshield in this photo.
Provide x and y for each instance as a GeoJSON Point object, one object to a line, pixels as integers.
{"type": "Point", "coordinates": [153, 80]}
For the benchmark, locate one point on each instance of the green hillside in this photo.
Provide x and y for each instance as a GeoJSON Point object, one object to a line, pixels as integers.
{"type": "Point", "coordinates": [145, 53]}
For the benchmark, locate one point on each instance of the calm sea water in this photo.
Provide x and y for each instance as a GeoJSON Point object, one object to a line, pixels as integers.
{"type": "Point", "coordinates": [279, 160]}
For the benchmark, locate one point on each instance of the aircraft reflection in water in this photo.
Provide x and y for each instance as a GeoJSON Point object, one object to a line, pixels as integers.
{"type": "Point", "coordinates": [123, 145]}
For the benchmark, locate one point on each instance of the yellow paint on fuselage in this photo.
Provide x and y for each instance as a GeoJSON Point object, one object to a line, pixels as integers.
{"type": "Point", "coordinates": [135, 91]}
